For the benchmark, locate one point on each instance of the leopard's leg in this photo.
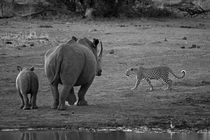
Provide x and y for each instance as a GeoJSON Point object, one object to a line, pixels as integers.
{"type": "Point", "coordinates": [136, 84]}
{"type": "Point", "coordinates": [149, 82]}
{"type": "Point", "coordinates": [169, 83]}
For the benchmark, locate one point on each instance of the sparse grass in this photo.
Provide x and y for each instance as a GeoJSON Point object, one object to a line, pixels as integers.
{"type": "Point", "coordinates": [111, 102]}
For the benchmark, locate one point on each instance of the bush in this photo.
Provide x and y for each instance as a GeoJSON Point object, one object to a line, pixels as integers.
{"type": "Point", "coordinates": [135, 8]}
{"type": "Point", "coordinates": [106, 8]}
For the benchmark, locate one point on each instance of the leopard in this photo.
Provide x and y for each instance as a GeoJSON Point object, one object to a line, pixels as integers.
{"type": "Point", "coordinates": [156, 73]}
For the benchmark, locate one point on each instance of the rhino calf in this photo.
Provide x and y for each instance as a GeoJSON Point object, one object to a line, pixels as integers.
{"type": "Point", "coordinates": [27, 83]}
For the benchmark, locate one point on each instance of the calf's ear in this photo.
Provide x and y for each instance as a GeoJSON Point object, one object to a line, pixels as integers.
{"type": "Point", "coordinates": [95, 42]}
{"type": "Point", "coordinates": [19, 68]}
{"type": "Point", "coordinates": [32, 68]}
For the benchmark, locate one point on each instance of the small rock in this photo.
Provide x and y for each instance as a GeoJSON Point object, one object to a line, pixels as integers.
{"type": "Point", "coordinates": [93, 30]}
{"type": "Point", "coordinates": [8, 42]}
{"type": "Point", "coordinates": [21, 46]}
{"type": "Point", "coordinates": [45, 26]}
{"type": "Point", "coordinates": [193, 46]}
{"type": "Point", "coordinates": [201, 24]}
{"type": "Point", "coordinates": [184, 38]}
{"type": "Point", "coordinates": [107, 33]}
{"type": "Point", "coordinates": [205, 82]}
{"type": "Point", "coordinates": [111, 52]}
{"type": "Point", "coordinates": [165, 39]}
{"type": "Point", "coordinates": [123, 25]}
{"type": "Point", "coordinates": [183, 47]}
{"type": "Point", "coordinates": [31, 44]}
{"type": "Point", "coordinates": [64, 114]}
{"type": "Point", "coordinates": [3, 54]}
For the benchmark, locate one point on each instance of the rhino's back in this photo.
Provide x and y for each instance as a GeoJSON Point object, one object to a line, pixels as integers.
{"type": "Point", "coordinates": [89, 67]}
{"type": "Point", "coordinates": [77, 61]}
{"type": "Point", "coordinates": [79, 65]}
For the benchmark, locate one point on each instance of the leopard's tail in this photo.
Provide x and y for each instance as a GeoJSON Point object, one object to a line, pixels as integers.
{"type": "Point", "coordinates": [179, 77]}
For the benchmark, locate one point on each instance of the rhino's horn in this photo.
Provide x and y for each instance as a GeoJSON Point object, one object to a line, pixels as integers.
{"type": "Point", "coordinates": [101, 52]}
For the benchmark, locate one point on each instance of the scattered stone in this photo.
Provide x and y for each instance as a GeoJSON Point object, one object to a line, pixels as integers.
{"type": "Point", "coordinates": [8, 42]}
{"type": "Point", "coordinates": [123, 25]}
{"type": "Point", "coordinates": [189, 100]}
{"type": "Point", "coordinates": [201, 25]}
{"type": "Point", "coordinates": [193, 46]}
{"type": "Point", "coordinates": [64, 114]}
{"type": "Point", "coordinates": [93, 30]}
{"type": "Point", "coordinates": [111, 51]}
{"type": "Point", "coordinates": [184, 38]}
{"type": "Point", "coordinates": [31, 44]}
{"type": "Point", "coordinates": [3, 54]}
{"type": "Point", "coordinates": [21, 46]}
{"type": "Point", "coordinates": [205, 82]}
{"type": "Point", "coordinates": [45, 26]}
{"type": "Point", "coordinates": [189, 27]}
{"type": "Point", "coordinates": [156, 42]}
{"type": "Point", "coordinates": [165, 39]}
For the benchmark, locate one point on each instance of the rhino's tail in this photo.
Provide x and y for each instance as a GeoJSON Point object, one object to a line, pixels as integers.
{"type": "Point", "coordinates": [56, 77]}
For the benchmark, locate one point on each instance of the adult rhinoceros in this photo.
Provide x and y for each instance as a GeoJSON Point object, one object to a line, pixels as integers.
{"type": "Point", "coordinates": [72, 64]}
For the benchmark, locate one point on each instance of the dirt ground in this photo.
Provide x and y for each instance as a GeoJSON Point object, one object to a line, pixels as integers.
{"type": "Point", "coordinates": [178, 43]}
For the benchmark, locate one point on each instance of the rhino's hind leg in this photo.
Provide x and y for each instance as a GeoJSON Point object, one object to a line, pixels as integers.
{"type": "Point", "coordinates": [81, 95]}
{"type": "Point", "coordinates": [26, 102]}
{"type": "Point", "coordinates": [22, 101]}
{"type": "Point", "coordinates": [65, 91]}
{"type": "Point", "coordinates": [71, 98]}
{"type": "Point", "coordinates": [55, 93]}
{"type": "Point", "coordinates": [33, 100]}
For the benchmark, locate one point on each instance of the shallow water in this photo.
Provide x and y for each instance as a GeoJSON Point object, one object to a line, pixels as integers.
{"type": "Point", "coordinates": [101, 135]}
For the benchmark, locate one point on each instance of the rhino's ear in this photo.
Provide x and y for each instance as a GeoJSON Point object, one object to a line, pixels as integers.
{"type": "Point", "coordinates": [95, 42]}
{"type": "Point", "coordinates": [19, 68]}
{"type": "Point", "coordinates": [32, 69]}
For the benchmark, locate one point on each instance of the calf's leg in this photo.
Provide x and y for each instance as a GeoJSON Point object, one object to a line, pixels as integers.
{"type": "Point", "coordinates": [33, 100]}
{"type": "Point", "coordinates": [26, 101]}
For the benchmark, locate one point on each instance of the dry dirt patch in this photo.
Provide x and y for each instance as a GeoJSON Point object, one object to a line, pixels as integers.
{"type": "Point", "coordinates": [111, 102]}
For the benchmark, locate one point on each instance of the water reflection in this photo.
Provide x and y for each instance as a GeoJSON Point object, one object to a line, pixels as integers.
{"type": "Point", "coordinates": [86, 135]}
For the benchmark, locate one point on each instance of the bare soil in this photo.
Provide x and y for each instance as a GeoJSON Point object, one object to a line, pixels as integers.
{"type": "Point", "coordinates": [178, 43]}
